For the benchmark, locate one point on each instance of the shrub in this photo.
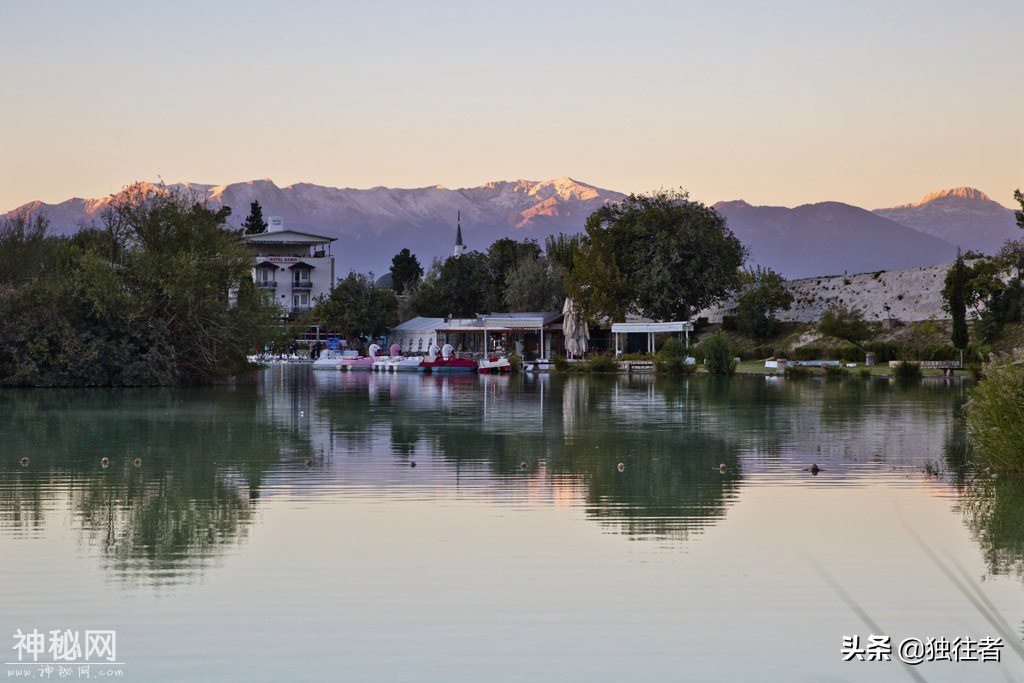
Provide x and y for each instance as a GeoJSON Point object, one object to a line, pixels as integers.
{"type": "Point", "coordinates": [718, 358]}
{"type": "Point", "coordinates": [795, 371]}
{"type": "Point", "coordinates": [517, 362]}
{"type": "Point", "coordinates": [995, 414]}
{"type": "Point", "coordinates": [835, 372]}
{"type": "Point", "coordinates": [600, 364]}
{"type": "Point", "coordinates": [561, 364]}
{"type": "Point", "coordinates": [729, 323]}
{"type": "Point", "coordinates": [907, 370]}
{"type": "Point", "coordinates": [672, 359]}
{"type": "Point", "coordinates": [865, 373]}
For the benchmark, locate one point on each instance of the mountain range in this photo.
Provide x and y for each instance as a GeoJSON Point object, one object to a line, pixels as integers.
{"type": "Point", "coordinates": [373, 224]}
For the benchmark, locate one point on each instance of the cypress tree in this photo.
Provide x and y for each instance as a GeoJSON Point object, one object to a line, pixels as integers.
{"type": "Point", "coordinates": [254, 223]}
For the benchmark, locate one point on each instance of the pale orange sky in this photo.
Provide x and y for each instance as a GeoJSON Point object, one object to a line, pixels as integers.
{"type": "Point", "coordinates": [873, 103]}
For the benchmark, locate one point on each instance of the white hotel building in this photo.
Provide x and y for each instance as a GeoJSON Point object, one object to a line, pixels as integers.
{"type": "Point", "coordinates": [294, 266]}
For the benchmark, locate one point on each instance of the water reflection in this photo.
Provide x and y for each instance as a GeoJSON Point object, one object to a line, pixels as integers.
{"type": "Point", "coordinates": [204, 456]}
{"type": "Point", "coordinates": [211, 457]}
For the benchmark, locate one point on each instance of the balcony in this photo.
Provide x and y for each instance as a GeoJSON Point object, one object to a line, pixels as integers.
{"type": "Point", "coordinates": [267, 284]}
{"type": "Point", "coordinates": [300, 310]}
{"type": "Point", "coordinates": [302, 284]}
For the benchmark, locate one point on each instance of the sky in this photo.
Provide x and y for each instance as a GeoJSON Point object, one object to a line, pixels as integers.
{"type": "Point", "coordinates": [871, 103]}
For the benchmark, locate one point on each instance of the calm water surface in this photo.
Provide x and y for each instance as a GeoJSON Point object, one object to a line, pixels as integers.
{"type": "Point", "coordinates": [515, 549]}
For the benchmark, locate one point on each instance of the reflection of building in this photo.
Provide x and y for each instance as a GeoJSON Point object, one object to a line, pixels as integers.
{"type": "Point", "coordinates": [295, 267]}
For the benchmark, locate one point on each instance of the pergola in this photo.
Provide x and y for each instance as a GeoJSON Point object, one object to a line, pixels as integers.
{"type": "Point", "coordinates": [650, 329]}
{"type": "Point", "coordinates": [502, 323]}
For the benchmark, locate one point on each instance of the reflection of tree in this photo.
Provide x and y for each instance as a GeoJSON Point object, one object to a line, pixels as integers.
{"type": "Point", "coordinates": [994, 512]}
{"type": "Point", "coordinates": [204, 454]}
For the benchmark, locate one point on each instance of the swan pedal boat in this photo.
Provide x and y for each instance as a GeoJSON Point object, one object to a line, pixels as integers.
{"type": "Point", "coordinates": [493, 366]}
{"type": "Point", "coordinates": [436, 364]}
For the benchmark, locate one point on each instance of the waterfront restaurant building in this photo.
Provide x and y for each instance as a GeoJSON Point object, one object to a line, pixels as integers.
{"type": "Point", "coordinates": [295, 267]}
{"type": "Point", "coordinates": [531, 335]}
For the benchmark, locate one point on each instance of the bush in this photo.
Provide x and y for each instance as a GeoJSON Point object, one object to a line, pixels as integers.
{"type": "Point", "coordinates": [517, 362]}
{"type": "Point", "coordinates": [718, 357]}
{"type": "Point", "coordinates": [796, 371]}
{"type": "Point", "coordinates": [599, 364]}
{"type": "Point", "coordinates": [835, 372]}
{"type": "Point", "coordinates": [671, 359]}
{"type": "Point", "coordinates": [865, 373]}
{"type": "Point", "coordinates": [907, 370]}
{"type": "Point", "coordinates": [995, 414]}
{"type": "Point", "coordinates": [729, 323]}
{"type": "Point", "coordinates": [561, 364]}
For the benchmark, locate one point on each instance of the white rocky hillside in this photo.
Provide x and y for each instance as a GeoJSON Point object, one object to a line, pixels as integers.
{"type": "Point", "coordinates": [910, 294]}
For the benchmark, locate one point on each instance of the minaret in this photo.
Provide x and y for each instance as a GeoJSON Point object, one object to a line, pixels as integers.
{"type": "Point", "coordinates": [459, 246]}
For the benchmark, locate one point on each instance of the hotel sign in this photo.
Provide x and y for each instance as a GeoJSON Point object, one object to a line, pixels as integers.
{"type": "Point", "coordinates": [280, 259]}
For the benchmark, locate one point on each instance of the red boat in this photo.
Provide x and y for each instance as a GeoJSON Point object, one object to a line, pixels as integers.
{"type": "Point", "coordinates": [450, 365]}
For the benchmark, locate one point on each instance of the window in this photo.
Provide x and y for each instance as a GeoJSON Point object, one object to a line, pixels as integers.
{"type": "Point", "coordinates": [301, 277]}
{"type": "Point", "coordinates": [300, 300]}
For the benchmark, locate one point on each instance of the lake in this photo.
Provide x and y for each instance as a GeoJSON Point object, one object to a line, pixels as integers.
{"type": "Point", "coordinates": [354, 527]}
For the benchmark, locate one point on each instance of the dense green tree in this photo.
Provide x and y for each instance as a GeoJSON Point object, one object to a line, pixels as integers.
{"type": "Point", "coordinates": [533, 285]}
{"type": "Point", "coordinates": [669, 256]}
{"type": "Point", "coordinates": [597, 287]}
{"type": "Point", "coordinates": [356, 308]}
{"type": "Point", "coordinates": [504, 255]}
{"type": "Point", "coordinates": [845, 323]}
{"type": "Point", "coordinates": [254, 223]}
{"type": "Point", "coordinates": [954, 292]}
{"type": "Point", "coordinates": [465, 286]}
{"type": "Point", "coordinates": [763, 295]}
{"type": "Point", "coordinates": [561, 251]}
{"type": "Point", "coordinates": [406, 271]}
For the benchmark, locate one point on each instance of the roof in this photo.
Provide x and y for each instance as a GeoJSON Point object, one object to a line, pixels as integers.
{"type": "Point", "coordinates": [502, 321]}
{"type": "Point", "coordinates": [288, 237]}
{"type": "Point", "coordinates": [419, 324]}
{"type": "Point", "coordinates": [674, 326]}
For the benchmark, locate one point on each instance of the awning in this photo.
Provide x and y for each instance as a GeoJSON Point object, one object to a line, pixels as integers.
{"type": "Point", "coordinates": [676, 326]}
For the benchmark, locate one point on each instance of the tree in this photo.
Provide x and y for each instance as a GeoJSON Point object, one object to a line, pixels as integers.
{"type": "Point", "coordinates": [1019, 215]}
{"type": "Point", "coordinates": [673, 256]}
{"type": "Point", "coordinates": [597, 287]}
{"type": "Point", "coordinates": [844, 323]}
{"type": "Point", "coordinates": [254, 223]}
{"type": "Point", "coordinates": [465, 286]}
{"type": "Point", "coordinates": [356, 308]}
{"type": "Point", "coordinates": [504, 255]}
{"type": "Point", "coordinates": [533, 285]}
{"type": "Point", "coordinates": [406, 271]}
{"type": "Point", "coordinates": [756, 306]}
{"type": "Point", "coordinates": [954, 292]}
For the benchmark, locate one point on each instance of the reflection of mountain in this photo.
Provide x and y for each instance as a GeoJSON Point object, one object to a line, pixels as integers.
{"type": "Point", "coordinates": [204, 457]}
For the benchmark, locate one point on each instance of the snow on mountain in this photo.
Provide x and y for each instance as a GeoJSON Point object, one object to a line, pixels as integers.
{"type": "Point", "coordinates": [962, 215]}
{"type": "Point", "coordinates": [374, 224]}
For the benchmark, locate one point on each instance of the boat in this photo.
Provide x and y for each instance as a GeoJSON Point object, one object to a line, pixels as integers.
{"type": "Point", "coordinates": [436, 364]}
{"type": "Point", "coordinates": [493, 366]}
{"type": "Point", "coordinates": [329, 359]}
{"type": "Point", "coordinates": [357, 363]}
{"type": "Point", "coordinates": [407, 364]}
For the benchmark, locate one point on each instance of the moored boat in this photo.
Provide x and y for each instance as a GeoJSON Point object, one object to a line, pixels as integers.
{"type": "Point", "coordinates": [329, 359]}
{"type": "Point", "coordinates": [493, 366]}
{"type": "Point", "coordinates": [438, 364]}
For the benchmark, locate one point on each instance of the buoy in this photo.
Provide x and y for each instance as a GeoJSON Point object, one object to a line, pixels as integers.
{"type": "Point", "coordinates": [621, 467]}
{"type": "Point", "coordinates": [815, 469]}
{"type": "Point", "coordinates": [137, 462]}
{"type": "Point", "coordinates": [412, 464]}
{"type": "Point", "coordinates": [104, 462]}
{"type": "Point", "coordinates": [722, 468]}
{"type": "Point", "coordinates": [522, 465]}
{"type": "Point", "coordinates": [309, 463]}
{"type": "Point", "coordinates": [24, 462]}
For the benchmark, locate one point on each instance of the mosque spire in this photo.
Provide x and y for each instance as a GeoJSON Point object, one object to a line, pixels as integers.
{"type": "Point", "coordinates": [459, 246]}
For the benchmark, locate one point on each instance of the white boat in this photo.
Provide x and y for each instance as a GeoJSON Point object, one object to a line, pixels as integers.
{"type": "Point", "coordinates": [329, 360]}
{"type": "Point", "coordinates": [493, 366]}
{"type": "Point", "coordinates": [407, 364]}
